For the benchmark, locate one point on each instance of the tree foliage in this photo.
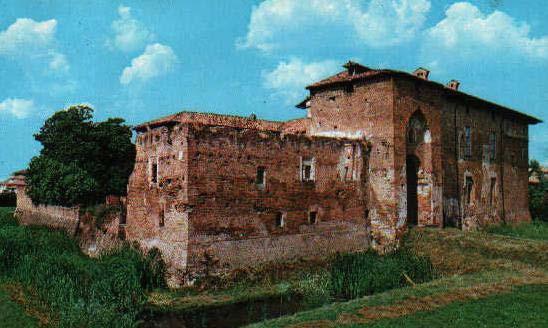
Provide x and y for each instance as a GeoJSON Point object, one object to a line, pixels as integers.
{"type": "Point", "coordinates": [538, 193]}
{"type": "Point", "coordinates": [81, 161]}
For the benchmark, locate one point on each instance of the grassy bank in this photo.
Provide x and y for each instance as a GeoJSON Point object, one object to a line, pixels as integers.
{"type": "Point", "coordinates": [477, 271]}
{"type": "Point", "coordinates": [534, 230]}
{"type": "Point", "coordinates": [12, 314]}
{"type": "Point", "coordinates": [78, 291]}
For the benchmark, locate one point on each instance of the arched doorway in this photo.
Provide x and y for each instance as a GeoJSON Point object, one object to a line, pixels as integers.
{"type": "Point", "coordinates": [418, 170]}
{"type": "Point", "coordinates": [412, 164]}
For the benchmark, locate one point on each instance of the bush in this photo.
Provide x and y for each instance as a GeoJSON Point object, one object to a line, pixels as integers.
{"type": "Point", "coordinates": [8, 199]}
{"type": "Point", "coordinates": [83, 292]}
{"type": "Point", "coordinates": [358, 274]}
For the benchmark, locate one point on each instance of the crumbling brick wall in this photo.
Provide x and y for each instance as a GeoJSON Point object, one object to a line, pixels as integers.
{"type": "Point", "coordinates": [207, 200]}
{"type": "Point", "coordinates": [27, 213]}
{"type": "Point", "coordinates": [364, 110]}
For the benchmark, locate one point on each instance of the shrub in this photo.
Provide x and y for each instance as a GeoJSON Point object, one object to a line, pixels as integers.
{"type": "Point", "coordinates": [358, 274]}
{"type": "Point", "coordinates": [83, 292]}
{"type": "Point", "coordinates": [8, 199]}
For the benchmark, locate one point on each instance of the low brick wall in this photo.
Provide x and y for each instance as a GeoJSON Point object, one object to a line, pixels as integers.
{"type": "Point", "coordinates": [58, 217]}
{"type": "Point", "coordinates": [93, 237]}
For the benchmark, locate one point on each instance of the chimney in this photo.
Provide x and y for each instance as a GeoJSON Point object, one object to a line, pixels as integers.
{"type": "Point", "coordinates": [355, 68]}
{"type": "Point", "coordinates": [421, 73]}
{"type": "Point", "coordinates": [453, 84]}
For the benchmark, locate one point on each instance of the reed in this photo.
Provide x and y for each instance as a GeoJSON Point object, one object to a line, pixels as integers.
{"type": "Point", "coordinates": [355, 275]}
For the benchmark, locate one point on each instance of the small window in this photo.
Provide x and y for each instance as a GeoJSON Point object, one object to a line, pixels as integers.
{"type": "Point", "coordinates": [492, 192]}
{"type": "Point", "coordinates": [492, 146]}
{"type": "Point", "coordinates": [280, 219]}
{"type": "Point", "coordinates": [469, 188]}
{"type": "Point", "coordinates": [468, 141]}
{"type": "Point", "coordinates": [154, 173]}
{"type": "Point", "coordinates": [462, 145]}
{"type": "Point", "coordinates": [161, 217]}
{"type": "Point", "coordinates": [307, 170]}
{"type": "Point", "coordinates": [312, 217]}
{"type": "Point", "coordinates": [261, 175]}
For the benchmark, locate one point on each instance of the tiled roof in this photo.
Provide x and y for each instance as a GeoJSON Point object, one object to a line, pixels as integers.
{"type": "Point", "coordinates": [297, 126]}
{"type": "Point", "coordinates": [214, 119]}
{"type": "Point", "coordinates": [366, 73]}
{"type": "Point", "coordinates": [344, 76]}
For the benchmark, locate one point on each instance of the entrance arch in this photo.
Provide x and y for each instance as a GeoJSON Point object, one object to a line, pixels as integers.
{"type": "Point", "coordinates": [419, 177]}
{"type": "Point", "coordinates": [412, 164]}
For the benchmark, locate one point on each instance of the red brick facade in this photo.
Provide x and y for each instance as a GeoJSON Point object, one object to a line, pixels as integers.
{"type": "Point", "coordinates": [377, 151]}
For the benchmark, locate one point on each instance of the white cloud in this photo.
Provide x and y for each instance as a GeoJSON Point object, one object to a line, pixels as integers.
{"type": "Point", "coordinates": [19, 108]}
{"type": "Point", "coordinates": [290, 78]}
{"type": "Point", "coordinates": [27, 39]}
{"type": "Point", "coordinates": [467, 32]}
{"type": "Point", "coordinates": [157, 60]}
{"type": "Point", "coordinates": [130, 34]}
{"type": "Point", "coordinates": [274, 23]}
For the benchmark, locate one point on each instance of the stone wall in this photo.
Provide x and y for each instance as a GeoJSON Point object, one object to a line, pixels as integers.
{"type": "Point", "coordinates": [58, 217]}
{"type": "Point", "coordinates": [93, 237]}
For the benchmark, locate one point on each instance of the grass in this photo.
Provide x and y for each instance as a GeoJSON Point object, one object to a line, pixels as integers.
{"type": "Point", "coordinates": [79, 291]}
{"type": "Point", "coordinates": [12, 314]}
{"type": "Point", "coordinates": [357, 274]}
{"type": "Point", "coordinates": [524, 306]}
{"type": "Point", "coordinates": [534, 230]}
{"type": "Point", "coordinates": [477, 271]}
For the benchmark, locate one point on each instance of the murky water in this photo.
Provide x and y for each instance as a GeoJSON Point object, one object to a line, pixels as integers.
{"type": "Point", "coordinates": [233, 315]}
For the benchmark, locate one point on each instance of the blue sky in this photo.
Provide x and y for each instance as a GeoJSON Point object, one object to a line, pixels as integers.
{"type": "Point", "coordinates": [140, 60]}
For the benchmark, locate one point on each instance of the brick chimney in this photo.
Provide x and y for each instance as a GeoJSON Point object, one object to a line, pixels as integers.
{"type": "Point", "coordinates": [355, 68]}
{"type": "Point", "coordinates": [453, 84]}
{"type": "Point", "coordinates": [421, 73]}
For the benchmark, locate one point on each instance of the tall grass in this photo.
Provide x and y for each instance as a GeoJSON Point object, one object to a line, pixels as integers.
{"type": "Point", "coordinates": [534, 230]}
{"type": "Point", "coordinates": [358, 274]}
{"type": "Point", "coordinates": [81, 291]}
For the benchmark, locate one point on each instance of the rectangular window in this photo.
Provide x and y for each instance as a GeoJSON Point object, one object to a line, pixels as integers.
{"type": "Point", "coordinates": [468, 142]}
{"type": "Point", "coordinates": [154, 173]}
{"type": "Point", "coordinates": [492, 192]}
{"type": "Point", "coordinates": [492, 146]}
{"type": "Point", "coordinates": [280, 219]}
{"type": "Point", "coordinates": [469, 188]}
{"type": "Point", "coordinates": [261, 176]}
{"type": "Point", "coordinates": [312, 217]}
{"type": "Point", "coordinates": [307, 170]}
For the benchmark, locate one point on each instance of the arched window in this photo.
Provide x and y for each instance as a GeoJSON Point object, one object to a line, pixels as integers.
{"type": "Point", "coordinates": [416, 128]}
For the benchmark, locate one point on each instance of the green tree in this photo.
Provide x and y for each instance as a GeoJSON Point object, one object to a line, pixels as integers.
{"type": "Point", "coordinates": [538, 193]}
{"type": "Point", "coordinates": [81, 161]}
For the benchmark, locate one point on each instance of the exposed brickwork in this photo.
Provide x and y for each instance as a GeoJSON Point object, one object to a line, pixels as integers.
{"type": "Point", "coordinates": [206, 198]}
{"type": "Point", "coordinates": [385, 148]}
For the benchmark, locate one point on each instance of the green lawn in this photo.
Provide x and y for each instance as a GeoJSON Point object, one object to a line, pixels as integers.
{"type": "Point", "coordinates": [488, 280]}
{"type": "Point", "coordinates": [534, 230]}
{"type": "Point", "coordinates": [525, 306]}
{"type": "Point", "coordinates": [12, 314]}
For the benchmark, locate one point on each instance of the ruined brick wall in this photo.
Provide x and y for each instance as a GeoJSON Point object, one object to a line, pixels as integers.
{"type": "Point", "coordinates": [364, 110]}
{"type": "Point", "coordinates": [206, 198]}
{"type": "Point", "coordinates": [234, 219]}
{"type": "Point", "coordinates": [27, 213]}
{"type": "Point", "coordinates": [157, 211]}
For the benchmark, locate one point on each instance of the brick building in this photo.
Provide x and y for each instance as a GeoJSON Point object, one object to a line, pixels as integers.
{"type": "Point", "coordinates": [377, 151]}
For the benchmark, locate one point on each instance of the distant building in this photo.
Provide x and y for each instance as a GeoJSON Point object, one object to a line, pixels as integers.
{"type": "Point", "coordinates": [11, 184]}
{"type": "Point", "coordinates": [377, 151]}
